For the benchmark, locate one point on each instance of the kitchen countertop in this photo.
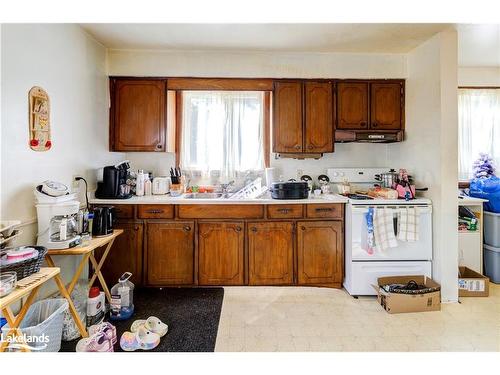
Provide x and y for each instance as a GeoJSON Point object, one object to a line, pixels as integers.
{"type": "Point", "coordinates": [167, 199]}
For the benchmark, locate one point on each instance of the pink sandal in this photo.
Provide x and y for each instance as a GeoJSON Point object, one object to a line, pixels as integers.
{"type": "Point", "coordinates": [107, 329]}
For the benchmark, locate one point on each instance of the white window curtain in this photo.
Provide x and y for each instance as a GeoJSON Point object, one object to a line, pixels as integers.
{"type": "Point", "coordinates": [479, 127]}
{"type": "Point", "coordinates": [222, 131]}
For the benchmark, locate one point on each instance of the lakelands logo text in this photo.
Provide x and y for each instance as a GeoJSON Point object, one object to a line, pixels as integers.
{"type": "Point", "coordinates": [23, 341]}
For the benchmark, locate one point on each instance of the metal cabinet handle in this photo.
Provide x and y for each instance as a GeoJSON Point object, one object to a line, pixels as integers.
{"type": "Point", "coordinates": [324, 209]}
{"type": "Point", "coordinates": [374, 124]}
{"type": "Point", "coordinates": [310, 147]}
{"type": "Point", "coordinates": [237, 229]}
{"type": "Point", "coordinates": [136, 228]}
{"type": "Point", "coordinates": [303, 228]}
{"type": "Point", "coordinates": [154, 211]}
{"type": "Point", "coordinates": [297, 147]}
{"type": "Point", "coordinates": [159, 146]}
{"type": "Point", "coordinates": [253, 229]}
{"type": "Point", "coordinates": [187, 228]}
{"type": "Point", "coordinates": [284, 210]}
{"type": "Point", "coordinates": [362, 124]}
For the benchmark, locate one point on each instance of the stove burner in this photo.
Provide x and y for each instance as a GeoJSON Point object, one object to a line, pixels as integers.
{"type": "Point", "coordinates": [359, 197]}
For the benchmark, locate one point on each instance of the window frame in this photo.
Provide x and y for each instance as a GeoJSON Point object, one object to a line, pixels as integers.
{"type": "Point", "coordinates": [464, 184]}
{"type": "Point", "coordinates": [210, 87]}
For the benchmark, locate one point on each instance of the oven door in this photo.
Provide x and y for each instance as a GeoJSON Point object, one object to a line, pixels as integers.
{"type": "Point", "coordinates": [418, 250]}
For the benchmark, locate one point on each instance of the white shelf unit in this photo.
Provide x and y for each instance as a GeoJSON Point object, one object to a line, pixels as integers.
{"type": "Point", "coordinates": [470, 244]}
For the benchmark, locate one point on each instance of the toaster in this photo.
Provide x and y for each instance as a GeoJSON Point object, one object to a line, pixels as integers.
{"type": "Point", "coordinates": [161, 185]}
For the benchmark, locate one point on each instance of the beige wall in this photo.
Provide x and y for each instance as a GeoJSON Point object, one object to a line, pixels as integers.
{"type": "Point", "coordinates": [265, 64]}
{"type": "Point", "coordinates": [479, 76]}
{"type": "Point", "coordinates": [71, 67]}
{"type": "Point", "coordinates": [430, 149]}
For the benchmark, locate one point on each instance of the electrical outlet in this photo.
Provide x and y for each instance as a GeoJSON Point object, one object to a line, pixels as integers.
{"type": "Point", "coordinates": [76, 183]}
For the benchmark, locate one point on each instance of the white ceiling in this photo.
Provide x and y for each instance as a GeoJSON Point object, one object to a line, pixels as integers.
{"type": "Point", "coordinates": [479, 45]}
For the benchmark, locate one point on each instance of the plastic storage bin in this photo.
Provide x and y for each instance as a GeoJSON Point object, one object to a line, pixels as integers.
{"type": "Point", "coordinates": [491, 229]}
{"type": "Point", "coordinates": [492, 263]}
{"type": "Point", "coordinates": [43, 324]}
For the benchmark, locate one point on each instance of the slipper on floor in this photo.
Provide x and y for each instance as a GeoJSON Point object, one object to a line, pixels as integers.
{"type": "Point", "coordinates": [97, 342]}
{"type": "Point", "coordinates": [141, 339]}
{"type": "Point", "coordinates": [152, 324]}
{"type": "Point", "coordinates": [106, 328]}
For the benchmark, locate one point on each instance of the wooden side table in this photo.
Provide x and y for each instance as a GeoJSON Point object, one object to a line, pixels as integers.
{"type": "Point", "coordinates": [87, 252]}
{"type": "Point", "coordinates": [28, 286]}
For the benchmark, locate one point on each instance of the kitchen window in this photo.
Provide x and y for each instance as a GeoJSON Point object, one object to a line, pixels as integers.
{"type": "Point", "coordinates": [478, 127]}
{"type": "Point", "coordinates": [223, 132]}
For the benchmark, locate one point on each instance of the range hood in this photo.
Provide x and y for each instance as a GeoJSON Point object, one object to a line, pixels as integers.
{"type": "Point", "coordinates": [344, 136]}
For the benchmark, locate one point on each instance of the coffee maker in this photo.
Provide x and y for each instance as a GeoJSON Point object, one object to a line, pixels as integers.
{"type": "Point", "coordinates": [114, 182]}
{"type": "Point", "coordinates": [57, 225]}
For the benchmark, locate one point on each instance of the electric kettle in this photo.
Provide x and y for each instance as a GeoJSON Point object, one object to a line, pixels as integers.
{"type": "Point", "coordinates": [102, 224]}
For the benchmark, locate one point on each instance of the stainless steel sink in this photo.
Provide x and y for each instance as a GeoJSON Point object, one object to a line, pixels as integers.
{"type": "Point", "coordinates": [203, 195]}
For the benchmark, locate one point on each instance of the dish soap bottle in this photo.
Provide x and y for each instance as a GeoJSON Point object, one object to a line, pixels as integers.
{"type": "Point", "coordinates": [122, 298]}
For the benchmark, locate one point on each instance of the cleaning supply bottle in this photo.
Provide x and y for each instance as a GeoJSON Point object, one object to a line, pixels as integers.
{"type": "Point", "coordinates": [96, 308]}
{"type": "Point", "coordinates": [122, 298]}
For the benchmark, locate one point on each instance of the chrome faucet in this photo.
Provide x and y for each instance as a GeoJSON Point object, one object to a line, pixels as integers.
{"type": "Point", "coordinates": [225, 187]}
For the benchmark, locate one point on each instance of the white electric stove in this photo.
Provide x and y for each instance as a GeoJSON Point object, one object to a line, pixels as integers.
{"type": "Point", "coordinates": [362, 268]}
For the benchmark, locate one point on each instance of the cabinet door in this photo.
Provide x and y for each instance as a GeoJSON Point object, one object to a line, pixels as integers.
{"type": "Point", "coordinates": [170, 253]}
{"type": "Point", "coordinates": [125, 255]}
{"type": "Point", "coordinates": [287, 124]}
{"type": "Point", "coordinates": [138, 115]}
{"type": "Point", "coordinates": [386, 102]}
{"type": "Point", "coordinates": [318, 117]}
{"type": "Point", "coordinates": [221, 253]}
{"type": "Point", "coordinates": [352, 105]}
{"type": "Point", "coordinates": [270, 253]}
{"type": "Point", "coordinates": [319, 252]}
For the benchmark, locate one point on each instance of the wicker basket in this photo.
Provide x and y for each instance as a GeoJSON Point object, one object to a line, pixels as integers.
{"type": "Point", "coordinates": [27, 267]}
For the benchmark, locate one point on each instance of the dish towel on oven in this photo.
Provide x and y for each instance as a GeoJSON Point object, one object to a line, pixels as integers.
{"type": "Point", "coordinates": [383, 228]}
{"type": "Point", "coordinates": [408, 224]}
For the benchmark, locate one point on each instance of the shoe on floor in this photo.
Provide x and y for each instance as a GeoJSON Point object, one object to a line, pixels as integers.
{"type": "Point", "coordinates": [97, 342]}
{"type": "Point", "coordinates": [152, 324]}
{"type": "Point", "coordinates": [107, 329]}
{"type": "Point", "coordinates": [141, 339]}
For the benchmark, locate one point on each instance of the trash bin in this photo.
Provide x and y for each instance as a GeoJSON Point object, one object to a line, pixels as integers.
{"type": "Point", "coordinates": [43, 324]}
{"type": "Point", "coordinates": [492, 263]}
{"type": "Point", "coordinates": [492, 229]}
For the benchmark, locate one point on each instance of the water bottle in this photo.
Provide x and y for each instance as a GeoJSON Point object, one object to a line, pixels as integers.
{"type": "Point", "coordinates": [122, 298]}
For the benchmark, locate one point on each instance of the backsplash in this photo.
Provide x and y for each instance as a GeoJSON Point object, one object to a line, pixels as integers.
{"type": "Point", "coordinates": [345, 155]}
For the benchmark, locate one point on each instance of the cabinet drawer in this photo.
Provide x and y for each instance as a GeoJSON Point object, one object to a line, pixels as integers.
{"type": "Point", "coordinates": [332, 211]}
{"type": "Point", "coordinates": [285, 211]}
{"type": "Point", "coordinates": [123, 211]}
{"type": "Point", "coordinates": [155, 211]}
{"type": "Point", "coordinates": [220, 211]}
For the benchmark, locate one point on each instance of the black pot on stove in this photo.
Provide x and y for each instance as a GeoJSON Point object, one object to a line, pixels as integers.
{"type": "Point", "coordinates": [289, 190]}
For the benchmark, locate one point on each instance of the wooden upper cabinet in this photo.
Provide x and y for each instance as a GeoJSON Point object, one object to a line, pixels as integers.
{"type": "Point", "coordinates": [318, 117]}
{"type": "Point", "coordinates": [319, 252]}
{"type": "Point", "coordinates": [386, 103]}
{"type": "Point", "coordinates": [221, 253]}
{"type": "Point", "coordinates": [138, 115]}
{"type": "Point", "coordinates": [270, 253]}
{"type": "Point", "coordinates": [170, 253]}
{"type": "Point", "coordinates": [352, 105]}
{"type": "Point", "coordinates": [287, 117]}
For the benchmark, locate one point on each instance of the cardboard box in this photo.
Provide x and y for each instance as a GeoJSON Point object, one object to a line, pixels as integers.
{"type": "Point", "coordinates": [395, 303]}
{"type": "Point", "coordinates": [472, 283]}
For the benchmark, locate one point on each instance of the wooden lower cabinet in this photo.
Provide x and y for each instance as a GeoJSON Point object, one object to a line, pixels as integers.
{"type": "Point", "coordinates": [319, 252]}
{"type": "Point", "coordinates": [221, 249]}
{"type": "Point", "coordinates": [270, 253]}
{"type": "Point", "coordinates": [170, 253]}
{"type": "Point", "coordinates": [125, 254]}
